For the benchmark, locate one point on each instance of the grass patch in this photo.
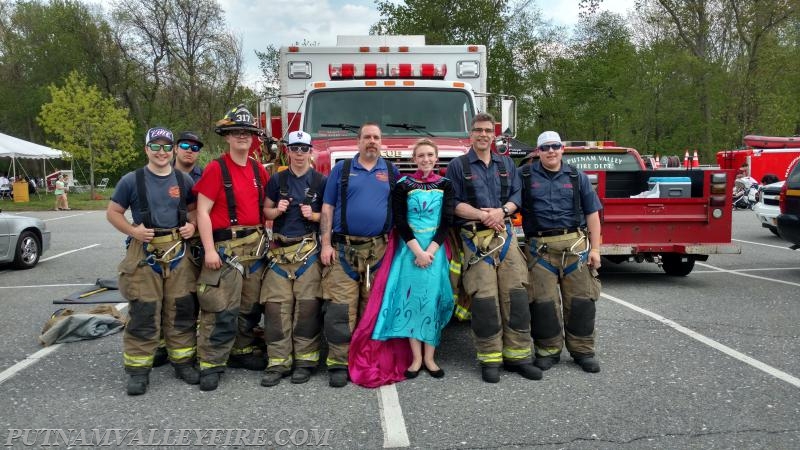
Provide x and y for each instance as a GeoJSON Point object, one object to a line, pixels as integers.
{"type": "Point", "coordinates": [46, 202]}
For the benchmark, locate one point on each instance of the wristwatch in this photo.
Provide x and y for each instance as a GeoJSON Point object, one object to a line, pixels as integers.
{"type": "Point", "coordinates": [506, 211]}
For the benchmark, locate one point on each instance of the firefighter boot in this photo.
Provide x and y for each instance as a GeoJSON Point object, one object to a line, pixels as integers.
{"type": "Point", "coordinates": [528, 371]}
{"type": "Point", "coordinates": [301, 375]}
{"type": "Point", "coordinates": [160, 357]}
{"type": "Point", "coordinates": [546, 362]}
{"type": "Point", "coordinates": [209, 380]}
{"type": "Point", "coordinates": [490, 374]}
{"type": "Point", "coordinates": [337, 378]}
{"type": "Point", "coordinates": [186, 372]}
{"type": "Point", "coordinates": [588, 364]}
{"type": "Point", "coordinates": [249, 361]}
{"type": "Point", "coordinates": [137, 381]}
{"type": "Point", "coordinates": [272, 378]}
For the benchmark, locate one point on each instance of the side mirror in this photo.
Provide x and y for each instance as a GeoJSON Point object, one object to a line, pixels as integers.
{"type": "Point", "coordinates": [508, 115]}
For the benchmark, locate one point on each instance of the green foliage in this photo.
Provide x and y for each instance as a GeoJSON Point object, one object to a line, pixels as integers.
{"type": "Point", "coordinates": [89, 125]}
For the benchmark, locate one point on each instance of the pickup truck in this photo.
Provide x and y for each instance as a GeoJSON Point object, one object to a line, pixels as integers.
{"type": "Point", "coordinates": [690, 218]}
{"type": "Point", "coordinates": [789, 219]}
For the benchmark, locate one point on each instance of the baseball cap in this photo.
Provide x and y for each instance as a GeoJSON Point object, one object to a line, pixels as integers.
{"type": "Point", "coordinates": [299, 138]}
{"type": "Point", "coordinates": [190, 136]}
{"type": "Point", "coordinates": [548, 136]}
{"type": "Point", "coordinates": [158, 133]}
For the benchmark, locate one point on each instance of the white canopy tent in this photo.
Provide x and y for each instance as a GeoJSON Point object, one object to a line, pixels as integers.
{"type": "Point", "coordinates": [11, 147]}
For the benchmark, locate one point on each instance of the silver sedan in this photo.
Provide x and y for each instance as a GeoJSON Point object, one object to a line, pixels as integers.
{"type": "Point", "coordinates": [22, 240]}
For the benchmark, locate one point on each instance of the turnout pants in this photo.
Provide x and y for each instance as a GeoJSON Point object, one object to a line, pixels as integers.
{"type": "Point", "coordinates": [162, 300]}
{"type": "Point", "coordinates": [497, 285]}
{"type": "Point", "coordinates": [292, 297]}
{"type": "Point", "coordinates": [557, 274]}
{"type": "Point", "coordinates": [345, 290]}
{"type": "Point", "coordinates": [229, 304]}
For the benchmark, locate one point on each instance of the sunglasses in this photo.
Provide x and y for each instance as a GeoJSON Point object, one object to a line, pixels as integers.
{"type": "Point", "coordinates": [548, 147]}
{"type": "Point", "coordinates": [166, 148]}
{"type": "Point", "coordinates": [186, 146]}
{"type": "Point", "coordinates": [299, 148]}
{"type": "Point", "coordinates": [241, 133]}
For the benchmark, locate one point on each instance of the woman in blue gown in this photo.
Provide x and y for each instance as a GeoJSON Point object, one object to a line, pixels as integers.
{"type": "Point", "coordinates": [418, 298]}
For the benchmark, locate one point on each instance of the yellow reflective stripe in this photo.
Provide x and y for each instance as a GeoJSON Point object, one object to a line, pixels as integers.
{"type": "Point", "coordinates": [335, 362]}
{"type": "Point", "coordinates": [462, 313]}
{"type": "Point", "coordinates": [494, 357]}
{"type": "Point", "coordinates": [516, 353]}
{"type": "Point", "coordinates": [280, 361]}
{"type": "Point", "coordinates": [137, 361]}
{"type": "Point", "coordinates": [311, 356]}
{"type": "Point", "coordinates": [547, 351]}
{"type": "Point", "coordinates": [162, 342]}
{"type": "Point", "coordinates": [455, 267]}
{"type": "Point", "coordinates": [243, 351]}
{"type": "Point", "coordinates": [204, 365]}
{"type": "Point", "coordinates": [181, 353]}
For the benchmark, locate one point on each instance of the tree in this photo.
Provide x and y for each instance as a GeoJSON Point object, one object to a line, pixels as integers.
{"type": "Point", "coordinates": [89, 126]}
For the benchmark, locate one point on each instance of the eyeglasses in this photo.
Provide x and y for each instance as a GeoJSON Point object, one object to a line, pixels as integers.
{"type": "Point", "coordinates": [240, 133]}
{"type": "Point", "coordinates": [548, 147]}
{"type": "Point", "coordinates": [166, 148]}
{"type": "Point", "coordinates": [186, 146]}
{"type": "Point", "coordinates": [299, 148]}
{"type": "Point", "coordinates": [483, 130]}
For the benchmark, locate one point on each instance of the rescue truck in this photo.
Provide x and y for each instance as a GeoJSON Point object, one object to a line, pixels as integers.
{"type": "Point", "coordinates": [411, 90]}
{"type": "Point", "coordinates": [672, 217]}
{"type": "Point", "coordinates": [765, 154]}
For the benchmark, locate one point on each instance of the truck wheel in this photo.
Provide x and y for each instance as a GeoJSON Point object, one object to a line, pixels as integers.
{"type": "Point", "coordinates": [774, 231]}
{"type": "Point", "coordinates": [28, 250]}
{"type": "Point", "coordinates": [674, 266]}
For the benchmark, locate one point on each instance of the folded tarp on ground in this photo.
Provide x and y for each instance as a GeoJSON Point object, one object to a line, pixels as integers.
{"type": "Point", "coordinates": [104, 291]}
{"type": "Point", "coordinates": [65, 325]}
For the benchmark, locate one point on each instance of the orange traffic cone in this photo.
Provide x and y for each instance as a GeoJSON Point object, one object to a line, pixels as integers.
{"type": "Point", "coordinates": [695, 160]}
{"type": "Point", "coordinates": [686, 163]}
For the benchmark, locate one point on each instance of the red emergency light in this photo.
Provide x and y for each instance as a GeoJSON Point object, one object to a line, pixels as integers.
{"type": "Point", "coordinates": [357, 71]}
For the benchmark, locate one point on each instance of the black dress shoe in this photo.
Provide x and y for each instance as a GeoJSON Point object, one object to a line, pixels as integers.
{"type": "Point", "coordinates": [438, 373]}
{"type": "Point", "coordinates": [409, 374]}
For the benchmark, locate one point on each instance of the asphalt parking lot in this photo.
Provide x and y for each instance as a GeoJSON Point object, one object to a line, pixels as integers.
{"type": "Point", "coordinates": [705, 361]}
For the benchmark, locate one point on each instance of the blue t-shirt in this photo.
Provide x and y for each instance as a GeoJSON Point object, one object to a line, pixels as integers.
{"type": "Point", "coordinates": [367, 198]}
{"type": "Point", "coordinates": [163, 197]}
{"type": "Point", "coordinates": [553, 199]}
{"type": "Point", "coordinates": [486, 180]}
{"type": "Point", "coordinates": [292, 223]}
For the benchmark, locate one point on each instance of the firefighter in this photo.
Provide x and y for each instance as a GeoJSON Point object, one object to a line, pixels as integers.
{"type": "Point", "coordinates": [189, 146]}
{"type": "Point", "coordinates": [230, 199]}
{"type": "Point", "coordinates": [487, 192]}
{"type": "Point", "coordinates": [561, 219]}
{"type": "Point", "coordinates": [156, 277]}
{"type": "Point", "coordinates": [356, 217]}
{"type": "Point", "coordinates": [291, 292]}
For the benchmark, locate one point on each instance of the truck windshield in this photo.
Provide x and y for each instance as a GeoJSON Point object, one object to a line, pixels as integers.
{"type": "Point", "coordinates": [426, 112]}
{"type": "Point", "coordinates": [602, 161]}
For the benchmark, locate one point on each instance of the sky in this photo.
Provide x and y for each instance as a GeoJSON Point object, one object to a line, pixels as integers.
{"type": "Point", "coordinates": [259, 23]}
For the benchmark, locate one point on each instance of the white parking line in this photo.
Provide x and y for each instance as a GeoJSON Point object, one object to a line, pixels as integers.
{"type": "Point", "coordinates": [786, 247]}
{"type": "Point", "coordinates": [38, 356]}
{"type": "Point", "coordinates": [777, 373]}
{"type": "Point", "coordinates": [67, 252]}
{"type": "Point", "coordinates": [392, 421]}
{"type": "Point", "coordinates": [67, 217]}
{"type": "Point", "coordinates": [756, 269]}
{"type": "Point", "coordinates": [734, 272]}
{"type": "Point", "coordinates": [46, 285]}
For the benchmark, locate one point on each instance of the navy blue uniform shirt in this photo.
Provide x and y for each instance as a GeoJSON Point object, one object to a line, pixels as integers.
{"type": "Point", "coordinates": [553, 199]}
{"type": "Point", "coordinates": [292, 223]}
{"type": "Point", "coordinates": [486, 180]}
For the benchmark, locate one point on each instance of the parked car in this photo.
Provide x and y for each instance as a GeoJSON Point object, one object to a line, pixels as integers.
{"type": "Point", "coordinates": [789, 219]}
{"type": "Point", "coordinates": [22, 240]}
{"type": "Point", "coordinates": [767, 208]}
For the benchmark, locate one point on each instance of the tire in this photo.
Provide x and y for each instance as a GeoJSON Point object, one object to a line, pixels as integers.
{"type": "Point", "coordinates": [673, 266]}
{"type": "Point", "coordinates": [28, 250]}
{"type": "Point", "coordinates": [774, 231]}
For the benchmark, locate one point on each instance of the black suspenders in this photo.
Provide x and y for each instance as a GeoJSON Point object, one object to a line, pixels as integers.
{"type": "Point", "coordinates": [470, 187]}
{"type": "Point", "coordinates": [227, 182]}
{"type": "Point", "coordinates": [345, 181]}
{"type": "Point", "coordinates": [144, 205]}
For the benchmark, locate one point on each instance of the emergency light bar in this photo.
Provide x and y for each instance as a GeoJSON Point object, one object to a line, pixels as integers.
{"type": "Point", "coordinates": [353, 71]}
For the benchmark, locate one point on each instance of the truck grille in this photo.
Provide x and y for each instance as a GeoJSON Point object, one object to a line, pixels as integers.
{"type": "Point", "coordinates": [408, 166]}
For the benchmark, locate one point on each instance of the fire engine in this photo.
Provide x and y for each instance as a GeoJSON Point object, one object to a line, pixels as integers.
{"type": "Point", "coordinates": [765, 154]}
{"type": "Point", "coordinates": [672, 217]}
{"type": "Point", "coordinates": [411, 90]}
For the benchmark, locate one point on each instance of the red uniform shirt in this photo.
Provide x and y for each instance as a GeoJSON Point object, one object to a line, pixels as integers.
{"type": "Point", "coordinates": [244, 190]}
